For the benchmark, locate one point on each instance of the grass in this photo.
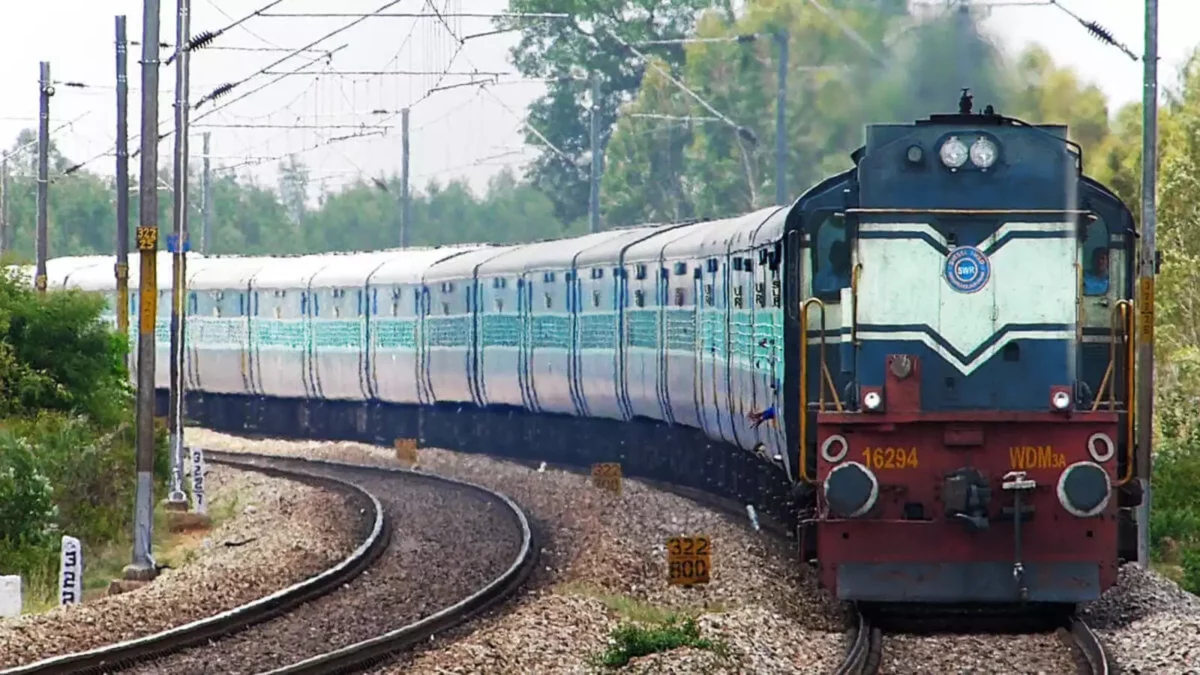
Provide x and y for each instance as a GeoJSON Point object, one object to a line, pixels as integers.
{"type": "Point", "coordinates": [631, 609]}
{"type": "Point", "coordinates": [103, 564]}
{"type": "Point", "coordinates": [631, 640]}
{"type": "Point", "coordinates": [644, 628]}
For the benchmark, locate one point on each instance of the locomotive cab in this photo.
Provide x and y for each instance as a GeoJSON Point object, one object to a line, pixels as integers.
{"type": "Point", "coordinates": [966, 371]}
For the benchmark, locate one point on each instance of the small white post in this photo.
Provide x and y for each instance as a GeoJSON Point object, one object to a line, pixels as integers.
{"type": "Point", "coordinates": [10, 596]}
{"type": "Point", "coordinates": [70, 575]}
{"type": "Point", "coordinates": [199, 502]}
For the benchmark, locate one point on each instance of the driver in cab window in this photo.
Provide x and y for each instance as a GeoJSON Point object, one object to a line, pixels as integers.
{"type": "Point", "coordinates": [834, 274]}
{"type": "Point", "coordinates": [1095, 279]}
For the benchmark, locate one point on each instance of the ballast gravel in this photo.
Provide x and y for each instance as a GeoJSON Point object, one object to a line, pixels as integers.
{"type": "Point", "coordinates": [1148, 624]}
{"type": "Point", "coordinates": [601, 552]}
{"type": "Point", "coordinates": [979, 654]}
{"type": "Point", "coordinates": [447, 542]}
{"type": "Point", "coordinates": [277, 533]}
{"type": "Point", "coordinates": [603, 561]}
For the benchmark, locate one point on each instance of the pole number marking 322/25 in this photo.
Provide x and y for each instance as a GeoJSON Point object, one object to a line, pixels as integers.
{"type": "Point", "coordinates": [890, 458]}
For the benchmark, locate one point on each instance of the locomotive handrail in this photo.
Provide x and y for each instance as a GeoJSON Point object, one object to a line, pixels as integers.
{"type": "Point", "coordinates": [823, 378]}
{"type": "Point", "coordinates": [1125, 309]}
{"type": "Point", "coordinates": [1120, 321]}
{"type": "Point", "coordinates": [1116, 324]}
{"type": "Point", "coordinates": [854, 276]}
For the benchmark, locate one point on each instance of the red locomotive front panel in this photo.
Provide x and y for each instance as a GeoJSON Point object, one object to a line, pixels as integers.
{"type": "Point", "coordinates": [923, 507]}
{"type": "Point", "coordinates": [925, 511]}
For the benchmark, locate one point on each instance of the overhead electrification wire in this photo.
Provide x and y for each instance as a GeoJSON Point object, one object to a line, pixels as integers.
{"type": "Point", "coordinates": [257, 89]}
{"type": "Point", "coordinates": [532, 129]}
{"type": "Point", "coordinates": [248, 31]}
{"type": "Point", "coordinates": [849, 32]}
{"type": "Point", "coordinates": [31, 144]}
{"type": "Point", "coordinates": [329, 141]}
{"type": "Point", "coordinates": [1097, 31]}
{"type": "Point", "coordinates": [203, 38]}
{"type": "Point", "coordinates": [226, 88]}
{"type": "Point", "coordinates": [742, 131]}
{"type": "Point", "coordinates": [419, 15]}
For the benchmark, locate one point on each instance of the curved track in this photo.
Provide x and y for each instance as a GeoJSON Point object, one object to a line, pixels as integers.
{"type": "Point", "coordinates": [1089, 654]}
{"type": "Point", "coordinates": [864, 652]}
{"type": "Point", "coordinates": [191, 637]}
{"type": "Point", "coordinates": [122, 655]}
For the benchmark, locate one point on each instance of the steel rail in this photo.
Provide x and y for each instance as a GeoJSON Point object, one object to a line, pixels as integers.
{"type": "Point", "coordinates": [1089, 652]}
{"type": "Point", "coordinates": [369, 652]}
{"type": "Point", "coordinates": [121, 655]}
{"type": "Point", "coordinates": [865, 651]}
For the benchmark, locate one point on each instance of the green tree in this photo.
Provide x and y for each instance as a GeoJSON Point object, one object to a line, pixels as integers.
{"type": "Point", "coordinates": [589, 43]}
{"type": "Point", "coordinates": [672, 158]}
{"type": "Point", "coordinates": [293, 189]}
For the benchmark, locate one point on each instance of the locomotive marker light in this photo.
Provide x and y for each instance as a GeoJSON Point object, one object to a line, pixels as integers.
{"type": "Point", "coordinates": [1084, 489]}
{"type": "Point", "coordinates": [954, 153]}
{"type": "Point", "coordinates": [689, 560]}
{"type": "Point", "coordinates": [983, 153]}
{"type": "Point", "coordinates": [851, 490]}
{"type": "Point", "coordinates": [915, 154]}
{"type": "Point", "coordinates": [1106, 450]}
{"type": "Point", "coordinates": [1061, 400]}
{"type": "Point", "coordinates": [872, 400]}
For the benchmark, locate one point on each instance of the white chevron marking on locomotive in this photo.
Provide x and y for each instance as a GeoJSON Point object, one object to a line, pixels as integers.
{"type": "Point", "coordinates": [981, 358]}
{"type": "Point", "coordinates": [1033, 281]}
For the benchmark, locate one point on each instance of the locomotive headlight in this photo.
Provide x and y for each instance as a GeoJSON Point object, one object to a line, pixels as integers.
{"type": "Point", "coordinates": [983, 153]}
{"type": "Point", "coordinates": [1060, 400]}
{"type": "Point", "coordinates": [851, 490]}
{"type": "Point", "coordinates": [1084, 489]}
{"type": "Point", "coordinates": [953, 153]}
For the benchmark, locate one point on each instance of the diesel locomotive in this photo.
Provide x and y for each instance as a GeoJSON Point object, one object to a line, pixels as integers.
{"type": "Point", "coordinates": [923, 365]}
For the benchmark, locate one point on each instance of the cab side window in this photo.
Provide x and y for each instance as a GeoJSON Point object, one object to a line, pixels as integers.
{"type": "Point", "coordinates": [830, 258]}
{"type": "Point", "coordinates": [1095, 258]}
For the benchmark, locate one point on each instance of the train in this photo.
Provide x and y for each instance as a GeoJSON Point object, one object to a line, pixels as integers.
{"type": "Point", "coordinates": [922, 367]}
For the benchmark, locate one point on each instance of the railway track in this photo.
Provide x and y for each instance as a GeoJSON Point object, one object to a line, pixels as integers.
{"type": "Point", "coordinates": [1085, 645]}
{"type": "Point", "coordinates": [212, 644]}
{"type": "Point", "coordinates": [864, 652]}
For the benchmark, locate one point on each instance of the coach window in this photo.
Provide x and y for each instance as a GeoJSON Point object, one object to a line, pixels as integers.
{"type": "Point", "coordinates": [1095, 259]}
{"type": "Point", "coordinates": [830, 258]}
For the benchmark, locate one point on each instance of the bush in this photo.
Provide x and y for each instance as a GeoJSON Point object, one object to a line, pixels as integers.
{"type": "Point", "coordinates": [1175, 505]}
{"type": "Point", "coordinates": [629, 641]}
{"type": "Point", "coordinates": [55, 354]}
{"type": "Point", "coordinates": [1191, 570]}
{"type": "Point", "coordinates": [27, 510]}
{"type": "Point", "coordinates": [92, 471]}
{"type": "Point", "coordinates": [67, 460]}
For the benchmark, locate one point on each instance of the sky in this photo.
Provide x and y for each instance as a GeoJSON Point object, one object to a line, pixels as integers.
{"type": "Point", "coordinates": [467, 131]}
